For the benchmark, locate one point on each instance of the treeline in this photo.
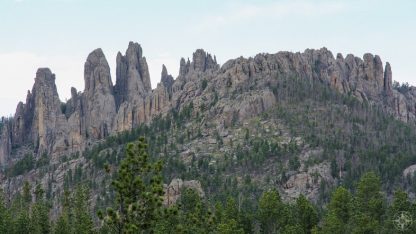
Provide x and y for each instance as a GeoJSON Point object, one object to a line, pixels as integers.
{"type": "Point", "coordinates": [138, 208]}
{"type": "Point", "coordinates": [30, 212]}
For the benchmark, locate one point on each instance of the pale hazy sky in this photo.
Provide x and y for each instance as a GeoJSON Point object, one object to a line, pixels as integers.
{"type": "Point", "coordinates": [60, 34]}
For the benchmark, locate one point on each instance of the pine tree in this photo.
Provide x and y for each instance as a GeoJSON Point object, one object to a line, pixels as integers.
{"type": "Point", "coordinates": [40, 213]}
{"type": "Point", "coordinates": [22, 223]}
{"type": "Point", "coordinates": [293, 229]}
{"type": "Point", "coordinates": [400, 206]}
{"type": "Point", "coordinates": [229, 227]}
{"type": "Point", "coordinates": [270, 207]}
{"type": "Point", "coordinates": [369, 205]}
{"type": "Point", "coordinates": [83, 223]}
{"type": "Point", "coordinates": [195, 216]}
{"type": "Point", "coordinates": [27, 196]}
{"type": "Point", "coordinates": [339, 212]}
{"type": "Point", "coordinates": [170, 222]}
{"type": "Point", "coordinates": [369, 198]}
{"type": "Point", "coordinates": [139, 191]}
{"type": "Point", "coordinates": [333, 224]}
{"type": "Point", "coordinates": [230, 219]}
{"type": "Point", "coordinates": [5, 217]}
{"type": "Point", "coordinates": [63, 223]}
{"type": "Point", "coordinates": [341, 204]}
{"type": "Point", "coordinates": [307, 214]}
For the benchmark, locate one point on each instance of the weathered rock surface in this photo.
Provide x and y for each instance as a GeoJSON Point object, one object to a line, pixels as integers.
{"type": "Point", "coordinates": [203, 61]}
{"type": "Point", "coordinates": [5, 141]}
{"type": "Point", "coordinates": [136, 101]}
{"type": "Point", "coordinates": [99, 107]}
{"type": "Point", "coordinates": [39, 121]}
{"type": "Point", "coordinates": [48, 119]}
{"type": "Point", "coordinates": [409, 171]}
{"type": "Point", "coordinates": [174, 190]}
{"type": "Point", "coordinates": [388, 79]}
{"type": "Point", "coordinates": [239, 89]}
{"type": "Point", "coordinates": [132, 76]}
{"type": "Point", "coordinates": [167, 80]}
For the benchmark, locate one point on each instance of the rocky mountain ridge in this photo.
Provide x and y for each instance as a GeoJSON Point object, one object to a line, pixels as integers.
{"type": "Point", "coordinates": [241, 88]}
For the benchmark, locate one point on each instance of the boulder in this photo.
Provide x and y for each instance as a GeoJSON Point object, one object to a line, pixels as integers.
{"type": "Point", "coordinates": [174, 190]}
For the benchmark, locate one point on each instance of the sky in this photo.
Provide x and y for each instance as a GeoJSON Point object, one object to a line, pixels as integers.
{"type": "Point", "coordinates": [60, 34]}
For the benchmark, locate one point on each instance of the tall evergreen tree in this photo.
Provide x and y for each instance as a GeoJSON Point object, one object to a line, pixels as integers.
{"type": "Point", "coordinates": [307, 214]}
{"type": "Point", "coordinates": [27, 195]}
{"type": "Point", "coordinates": [230, 222]}
{"type": "Point", "coordinates": [5, 216]}
{"type": "Point", "coordinates": [22, 223]}
{"type": "Point", "coordinates": [369, 206]}
{"type": "Point", "coordinates": [400, 207]}
{"type": "Point", "coordinates": [62, 225]}
{"type": "Point", "coordinates": [40, 213]}
{"type": "Point", "coordinates": [195, 216]}
{"type": "Point", "coordinates": [83, 223]}
{"type": "Point", "coordinates": [270, 207]}
{"type": "Point", "coordinates": [139, 191]}
{"type": "Point", "coordinates": [339, 212]}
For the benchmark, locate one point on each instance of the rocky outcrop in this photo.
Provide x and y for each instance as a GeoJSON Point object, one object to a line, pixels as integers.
{"type": "Point", "coordinates": [70, 107]}
{"type": "Point", "coordinates": [166, 80]}
{"type": "Point", "coordinates": [22, 121]}
{"type": "Point", "coordinates": [184, 67]}
{"type": "Point", "coordinates": [202, 61]}
{"type": "Point", "coordinates": [39, 121]}
{"type": "Point", "coordinates": [98, 103]}
{"type": "Point", "coordinates": [409, 171]}
{"type": "Point", "coordinates": [173, 191]}
{"type": "Point", "coordinates": [132, 89]}
{"type": "Point", "coordinates": [48, 119]}
{"type": "Point", "coordinates": [75, 130]}
{"type": "Point", "coordinates": [240, 89]}
{"type": "Point", "coordinates": [388, 79]}
{"type": "Point", "coordinates": [132, 76]}
{"type": "Point", "coordinates": [161, 96]}
{"type": "Point", "coordinates": [5, 141]}
{"type": "Point", "coordinates": [363, 78]}
{"type": "Point", "coordinates": [137, 103]}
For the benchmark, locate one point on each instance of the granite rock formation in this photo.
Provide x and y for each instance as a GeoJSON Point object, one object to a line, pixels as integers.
{"type": "Point", "coordinates": [237, 90]}
{"type": "Point", "coordinates": [99, 106]}
{"type": "Point", "coordinates": [39, 121]}
{"type": "Point", "coordinates": [136, 102]}
{"type": "Point", "coordinates": [132, 76]}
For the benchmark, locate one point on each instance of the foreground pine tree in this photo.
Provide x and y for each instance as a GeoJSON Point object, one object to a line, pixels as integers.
{"type": "Point", "coordinates": [75, 216]}
{"type": "Point", "coordinates": [5, 216]}
{"type": "Point", "coordinates": [139, 191]}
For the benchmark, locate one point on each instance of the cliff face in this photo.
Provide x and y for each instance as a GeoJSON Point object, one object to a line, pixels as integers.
{"type": "Point", "coordinates": [136, 102]}
{"type": "Point", "coordinates": [38, 122]}
{"type": "Point", "coordinates": [238, 90]}
{"type": "Point", "coordinates": [133, 79]}
{"type": "Point", "coordinates": [98, 103]}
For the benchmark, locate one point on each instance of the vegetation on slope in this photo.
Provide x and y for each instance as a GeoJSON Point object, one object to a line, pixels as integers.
{"type": "Point", "coordinates": [139, 209]}
{"type": "Point", "coordinates": [354, 137]}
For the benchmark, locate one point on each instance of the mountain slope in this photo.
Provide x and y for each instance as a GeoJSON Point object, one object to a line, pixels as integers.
{"type": "Point", "coordinates": [299, 122]}
{"type": "Point", "coordinates": [103, 109]}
